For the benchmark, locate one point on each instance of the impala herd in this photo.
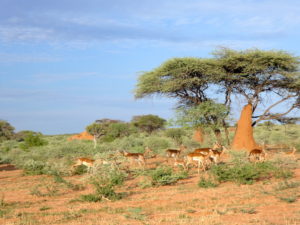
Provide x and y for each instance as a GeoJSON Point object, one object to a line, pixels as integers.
{"type": "Point", "coordinates": [200, 157]}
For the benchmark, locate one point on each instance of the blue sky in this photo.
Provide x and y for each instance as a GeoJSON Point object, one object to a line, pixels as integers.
{"type": "Point", "coordinates": [66, 63]}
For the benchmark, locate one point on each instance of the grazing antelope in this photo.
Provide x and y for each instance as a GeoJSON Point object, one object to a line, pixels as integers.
{"type": "Point", "coordinates": [199, 157]}
{"type": "Point", "coordinates": [205, 151]}
{"type": "Point", "coordinates": [257, 155]}
{"type": "Point", "coordinates": [174, 153]}
{"type": "Point", "coordinates": [135, 157]}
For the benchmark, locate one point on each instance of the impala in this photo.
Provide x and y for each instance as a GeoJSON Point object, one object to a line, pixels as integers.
{"type": "Point", "coordinates": [89, 163]}
{"type": "Point", "coordinates": [200, 158]}
{"type": "Point", "coordinates": [205, 151]}
{"type": "Point", "coordinates": [174, 153]}
{"type": "Point", "coordinates": [135, 157]}
{"type": "Point", "coordinates": [292, 153]}
{"type": "Point", "coordinates": [257, 155]}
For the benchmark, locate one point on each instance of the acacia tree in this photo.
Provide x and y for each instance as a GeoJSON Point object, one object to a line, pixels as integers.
{"type": "Point", "coordinates": [148, 123]}
{"type": "Point", "coordinates": [98, 129]}
{"type": "Point", "coordinates": [250, 74]}
{"type": "Point", "coordinates": [6, 130]}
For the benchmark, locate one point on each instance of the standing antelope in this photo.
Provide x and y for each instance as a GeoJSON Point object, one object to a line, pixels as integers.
{"type": "Point", "coordinates": [205, 151]}
{"type": "Point", "coordinates": [292, 153]}
{"type": "Point", "coordinates": [135, 157]}
{"type": "Point", "coordinates": [257, 155]}
{"type": "Point", "coordinates": [174, 153]}
{"type": "Point", "coordinates": [200, 158]}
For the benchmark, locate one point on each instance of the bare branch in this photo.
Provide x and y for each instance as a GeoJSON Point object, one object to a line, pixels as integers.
{"type": "Point", "coordinates": [266, 115]}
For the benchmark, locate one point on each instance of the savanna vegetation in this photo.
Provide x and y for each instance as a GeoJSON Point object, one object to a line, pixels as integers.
{"type": "Point", "coordinates": [96, 177]}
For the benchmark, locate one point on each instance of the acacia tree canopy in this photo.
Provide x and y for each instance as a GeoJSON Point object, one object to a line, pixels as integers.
{"type": "Point", "coordinates": [249, 73]}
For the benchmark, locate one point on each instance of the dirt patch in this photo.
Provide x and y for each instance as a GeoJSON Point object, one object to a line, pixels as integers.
{"type": "Point", "coordinates": [183, 203]}
{"type": "Point", "coordinates": [243, 138]}
{"type": "Point", "coordinates": [82, 136]}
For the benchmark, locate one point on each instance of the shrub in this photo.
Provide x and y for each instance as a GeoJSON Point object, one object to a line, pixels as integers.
{"type": "Point", "coordinates": [32, 167]}
{"type": "Point", "coordinates": [176, 134]}
{"type": "Point", "coordinates": [32, 140]}
{"type": "Point", "coordinates": [79, 170]}
{"type": "Point", "coordinates": [166, 176]}
{"type": "Point", "coordinates": [207, 183]}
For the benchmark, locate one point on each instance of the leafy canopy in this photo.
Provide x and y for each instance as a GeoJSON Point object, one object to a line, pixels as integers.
{"type": "Point", "coordinates": [250, 73]}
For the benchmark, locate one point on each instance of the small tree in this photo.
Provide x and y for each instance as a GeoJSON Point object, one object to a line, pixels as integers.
{"type": "Point", "coordinates": [97, 130]}
{"type": "Point", "coordinates": [6, 130]}
{"type": "Point", "coordinates": [176, 134]}
{"type": "Point", "coordinates": [148, 123]}
{"type": "Point", "coordinates": [206, 115]}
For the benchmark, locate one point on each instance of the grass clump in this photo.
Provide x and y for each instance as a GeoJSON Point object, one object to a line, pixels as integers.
{"type": "Point", "coordinates": [207, 183]}
{"type": "Point", "coordinates": [165, 176]}
{"type": "Point", "coordinates": [104, 185]}
{"type": "Point", "coordinates": [241, 171]}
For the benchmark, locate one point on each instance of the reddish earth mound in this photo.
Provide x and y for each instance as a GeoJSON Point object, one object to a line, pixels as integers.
{"type": "Point", "coordinates": [243, 138]}
{"type": "Point", "coordinates": [198, 136]}
{"type": "Point", "coordinates": [82, 136]}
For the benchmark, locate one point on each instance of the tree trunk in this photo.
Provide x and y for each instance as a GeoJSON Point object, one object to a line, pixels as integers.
{"type": "Point", "coordinates": [95, 141]}
{"type": "Point", "coordinates": [218, 135]}
{"type": "Point", "coordinates": [243, 138]}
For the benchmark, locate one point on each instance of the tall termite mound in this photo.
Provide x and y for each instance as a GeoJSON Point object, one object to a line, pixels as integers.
{"type": "Point", "coordinates": [243, 138]}
{"type": "Point", "coordinates": [198, 135]}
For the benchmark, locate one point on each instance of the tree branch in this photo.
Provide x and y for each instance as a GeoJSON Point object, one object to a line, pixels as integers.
{"type": "Point", "coordinates": [266, 115]}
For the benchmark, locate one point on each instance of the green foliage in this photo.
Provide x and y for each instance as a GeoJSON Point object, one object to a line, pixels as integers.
{"type": "Point", "coordinates": [243, 172]}
{"type": "Point", "coordinates": [176, 134]}
{"type": "Point", "coordinates": [250, 73]}
{"type": "Point", "coordinates": [32, 140]}
{"type": "Point", "coordinates": [32, 167]}
{"type": "Point", "coordinates": [118, 130]}
{"type": "Point", "coordinates": [6, 130]}
{"type": "Point", "coordinates": [166, 176]}
{"type": "Point", "coordinates": [97, 129]}
{"type": "Point", "coordinates": [104, 184]}
{"type": "Point", "coordinates": [148, 123]}
{"type": "Point", "coordinates": [207, 183]}
{"type": "Point", "coordinates": [79, 170]}
{"type": "Point", "coordinates": [90, 198]}
{"type": "Point", "coordinates": [205, 114]}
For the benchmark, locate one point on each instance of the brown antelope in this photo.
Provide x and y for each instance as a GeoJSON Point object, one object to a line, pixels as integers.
{"type": "Point", "coordinates": [199, 157]}
{"type": "Point", "coordinates": [174, 153]}
{"type": "Point", "coordinates": [257, 155]}
{"type": "Point", "coordinates": [205, 151]}
{"type": "Point", "coordinates": [135, 157]}
{"type": "Point", "coordinates": [292, 153]}
{"type": "Point", "coordinates": [216, 154]}
{"type": "Point", "coordinates": [89, 163]}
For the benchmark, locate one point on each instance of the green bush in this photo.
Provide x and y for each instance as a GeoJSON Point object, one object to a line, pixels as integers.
{"type": "Point", "coordinates": [166, 176]}
{"type": "Point", "coordinates": [248, 173]}
{"type": "Point", "coordinates": [32, 167]}
{"type": "Point", "coordinates": [79, 170]}
{"type": "Point", "coordinates": [32, 140]}
{"type": "Point", "coordinates": [207, 183]}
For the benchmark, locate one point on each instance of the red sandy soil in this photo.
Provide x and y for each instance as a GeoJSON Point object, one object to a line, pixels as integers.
{"type": "Point", "coordinates": [243, 138]}
{"type": "Point", "coordinates": [183, 203]}
{"type": "Point", "coordinates": [82, 136]}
